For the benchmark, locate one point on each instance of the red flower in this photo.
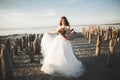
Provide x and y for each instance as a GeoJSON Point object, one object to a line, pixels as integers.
{"type": "Point", "coordinates": [62, 31]}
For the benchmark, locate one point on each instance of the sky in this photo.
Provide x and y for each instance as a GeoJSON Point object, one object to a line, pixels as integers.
{"type": "Point", "coordinates": [40, 13]}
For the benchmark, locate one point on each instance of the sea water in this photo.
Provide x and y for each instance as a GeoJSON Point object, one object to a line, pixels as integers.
{"type": "Point", "coordinates": [39, 30]}
{"type": "Point", "coordinates": [33, 30]}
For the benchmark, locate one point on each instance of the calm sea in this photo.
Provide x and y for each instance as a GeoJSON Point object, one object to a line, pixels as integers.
{"type": "Point", "coordinates": [40, 30]}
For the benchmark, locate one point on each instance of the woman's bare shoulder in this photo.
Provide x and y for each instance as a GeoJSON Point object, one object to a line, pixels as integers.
{"type": "Point", "coordinates": [67, 27]}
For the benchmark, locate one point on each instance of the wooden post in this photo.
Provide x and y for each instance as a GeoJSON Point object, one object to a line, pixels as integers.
{"type": "Point", "coordinates": [87, 34]}
{"type": "Point", "coordinates": [95, 31]}
{"type": "Point", "coordinates": [37, 45]}
{"type": "Point", "coordinates": [90, 37]}
{"type": "Point", "coordinates": [15, 49]}
{"type": "Point", "coordinates": [17, 45]}
{"type": "Point", "coordinates": [107, 32]}
{"type": "Point", "coordinates": [0, 52]}
{"type": "Point", "coordinates": [12, 53]}
{"type": "Point", "coordinates": [84, 31]}
{"type": "Point", "coordinates": [111, 52]}
{"type": "Point", "coordinates": [90, 34]}
{"type": "Point", "coordinates": [118, 35]}
{"type": "Point", "coordinates": [21, 45]}
{"type": "Point", "coordinates": [99, 42]}
{"type": "Point", "coordinates": [27, 45]}
{"type": "Point", "coordinates": [112, 44]}
{"type": "Point", "coordinates": [8, 61]}
{"type": "Point", "coordinates": [0, 63]}
{"type": "Point", "coordinates": [3, 71]}
{"type": "Point", "coordinates": [24, 41]}
{"type": "Point", "coordinates": [32, 50]}
{"type": "Point", "coordinates": [98, 45]}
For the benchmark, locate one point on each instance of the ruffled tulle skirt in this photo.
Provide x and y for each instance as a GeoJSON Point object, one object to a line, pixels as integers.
{"type": "Point", "coordinates": [59, 57]}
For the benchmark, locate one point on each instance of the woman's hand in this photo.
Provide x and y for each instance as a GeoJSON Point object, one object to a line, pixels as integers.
{"type": "Point", "coordinates": [49, 32]}
{"type": "Point", "coordinates": [53, 32]}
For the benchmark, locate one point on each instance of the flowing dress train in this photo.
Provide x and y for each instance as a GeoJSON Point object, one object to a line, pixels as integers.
{"type": "Point", "coordinates": [59, 57]}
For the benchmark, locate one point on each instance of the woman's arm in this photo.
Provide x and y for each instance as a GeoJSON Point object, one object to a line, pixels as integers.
{"type": "Point", "coordinates": [55, 31]}
{"type": "Point", "coordinates": [68, 30]}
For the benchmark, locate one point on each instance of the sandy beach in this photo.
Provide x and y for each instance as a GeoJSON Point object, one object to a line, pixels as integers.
{"type": "Point", "coordinates": [96, 66]}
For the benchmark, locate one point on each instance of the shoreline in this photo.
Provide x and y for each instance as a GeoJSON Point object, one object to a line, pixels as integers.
{"type": "Point", "coordinates": [39, 30]}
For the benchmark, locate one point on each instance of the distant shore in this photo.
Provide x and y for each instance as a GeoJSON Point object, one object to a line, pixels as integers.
{"type": "Point", "coordinates": [41, 30]}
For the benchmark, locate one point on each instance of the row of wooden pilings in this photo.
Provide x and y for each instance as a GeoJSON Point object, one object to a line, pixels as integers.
{"type": "Point", "coordinates": [110, 34]}
{"type": "Point", "coordinates": [11, 46]}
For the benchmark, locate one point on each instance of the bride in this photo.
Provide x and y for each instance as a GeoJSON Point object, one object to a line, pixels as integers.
{"type": "Point", "coordinates": [57, 51]}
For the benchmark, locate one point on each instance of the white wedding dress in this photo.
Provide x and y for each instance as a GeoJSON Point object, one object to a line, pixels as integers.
{"type": "Point", "coordinates": [59, 57]}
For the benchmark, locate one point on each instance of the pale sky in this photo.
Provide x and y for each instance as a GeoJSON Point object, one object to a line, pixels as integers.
{"type": "Point", "coordinates": [39, 13]}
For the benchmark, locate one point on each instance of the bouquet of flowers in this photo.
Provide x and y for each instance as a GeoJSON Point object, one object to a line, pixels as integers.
{"type": "Point", "coordinates": [62, 31]}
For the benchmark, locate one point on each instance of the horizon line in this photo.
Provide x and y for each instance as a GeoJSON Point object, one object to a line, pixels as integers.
{"type": "Point", "coordinates": [38, 27]}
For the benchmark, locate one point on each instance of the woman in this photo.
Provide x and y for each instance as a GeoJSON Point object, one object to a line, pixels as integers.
{"type": "Point", "coordinates": [58, 53]}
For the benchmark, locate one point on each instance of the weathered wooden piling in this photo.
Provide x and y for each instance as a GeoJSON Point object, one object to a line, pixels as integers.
{"type": "Point", "coordinates": [112, 44]}
{"type": "Point", "coordinates": [17, 45]}
{"type": "Point", "coordinates": [21, 45]}
{"type": "Point", "coordinates": [32, 53]}
{"type": "Point", "coordinates": [107, 33]}
{"type": "Point", "coordinates": [37, 44]}
{"type": "Point", "coordinates": [15, 49]}
{"type": "Point", "coordinates": [98, 45]}
{"type": "Point", "coordinates": [2, 62]}
{"type": "Point", "coordinates": [99, 42]}
{"type": "Point", "coordinates": [32, 47]}
{"type": "Point", "coordinates": [7, 66]}
{"type": "Point", "coordinates": [27, 45]}
{"type": "Point", "coordinates": [118, 35]}
{"type": "Point", "coordinates": [24, 41]}
{"type": "Point", "coordinates": [90, 35]}
{"type": "Point", "coordinates": [84, 31]}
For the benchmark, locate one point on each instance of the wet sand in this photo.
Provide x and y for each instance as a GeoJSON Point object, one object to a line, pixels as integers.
{"type": "Point", "coordinates": [96, 66]}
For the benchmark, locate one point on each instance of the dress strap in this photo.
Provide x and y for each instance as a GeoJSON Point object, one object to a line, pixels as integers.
{"type": "Point", "coordinates": [65, 37]}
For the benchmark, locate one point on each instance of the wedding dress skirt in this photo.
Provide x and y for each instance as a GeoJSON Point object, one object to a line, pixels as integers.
{"type": "Point", "coordinates": [59, 57]}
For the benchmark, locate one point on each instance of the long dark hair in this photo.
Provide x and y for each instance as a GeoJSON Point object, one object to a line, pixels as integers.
{"type": "Point", "coordinates": [66, 21]}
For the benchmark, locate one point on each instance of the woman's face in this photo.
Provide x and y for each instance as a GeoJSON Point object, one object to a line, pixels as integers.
{"type": "Point", "coordinates": [63, 22]}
